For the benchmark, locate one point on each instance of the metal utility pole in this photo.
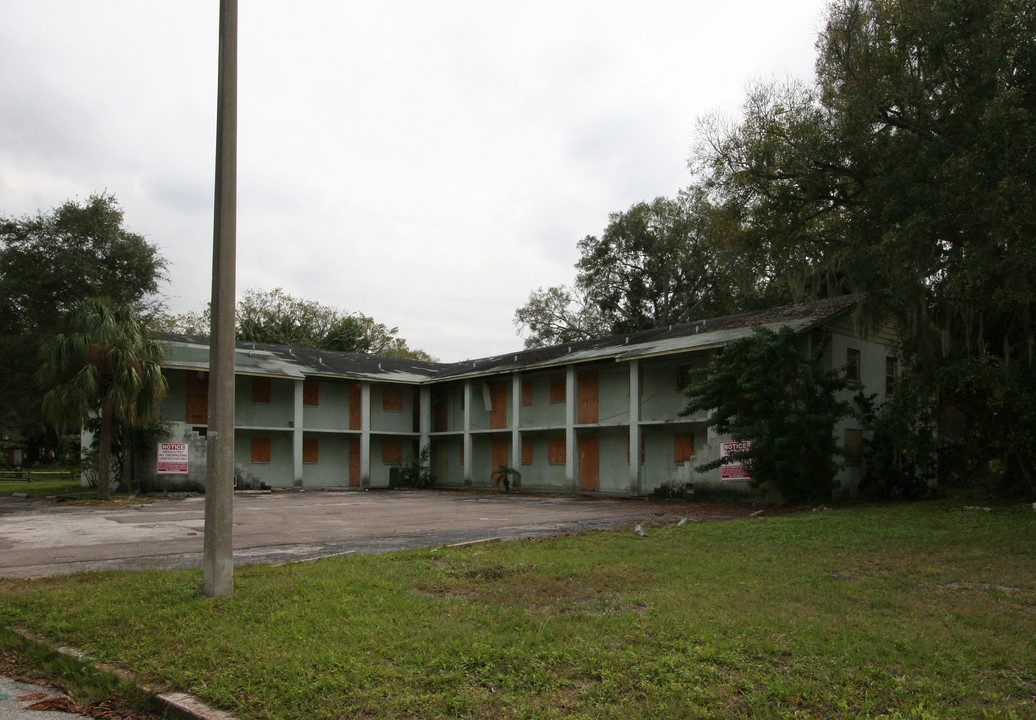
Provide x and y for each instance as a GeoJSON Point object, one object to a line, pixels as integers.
{"type": "Point", "coordinates": [219, 478]}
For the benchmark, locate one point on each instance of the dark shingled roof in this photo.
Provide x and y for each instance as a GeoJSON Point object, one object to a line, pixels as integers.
{"type": "Point", "coordinates": [674, 338]}
{"type": "Point", "coordinates": [314, 362]}
{"type": "Point", "coordinates": [705, 333]}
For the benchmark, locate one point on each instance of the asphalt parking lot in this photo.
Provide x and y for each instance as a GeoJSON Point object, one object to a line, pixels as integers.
{"type": "Point", "coordinates": [44, 537]}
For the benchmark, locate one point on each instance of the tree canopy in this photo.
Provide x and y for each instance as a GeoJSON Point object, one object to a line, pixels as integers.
{"type": "Point", "coordinates": [558, 314]}
{"type": "Point", "coordinates": [906, 171]}
{"type": "Point", "coordinates": [278, 318]}
{"type": "Point", "coordinates": [653, 265]}
{"type": "Point", "coordinates": [49, 263]}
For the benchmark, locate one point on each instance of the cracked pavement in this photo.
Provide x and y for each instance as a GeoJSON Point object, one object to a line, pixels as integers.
{"type": "Point", "coordinates": [42, 537]}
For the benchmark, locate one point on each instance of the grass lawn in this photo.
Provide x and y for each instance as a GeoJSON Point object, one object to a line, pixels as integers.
{"type": "Point", "coordinates": [904, 611]}
{"type": "Point", "coordinates": [39, 488]}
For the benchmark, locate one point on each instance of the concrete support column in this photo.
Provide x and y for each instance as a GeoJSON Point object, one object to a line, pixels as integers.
{"type": "Point", "coordinates": [516, 421]}
{"type": "Point", "coordinates": [635, 427]}
{"type": "Point", "coordinates": [365, 434]}
{"type": "Point", "coordinates": [297, 423]}
{"type": "Point", "coordinates": [467, 433]}
{"type": "Point", "coordinates": [571, 480]}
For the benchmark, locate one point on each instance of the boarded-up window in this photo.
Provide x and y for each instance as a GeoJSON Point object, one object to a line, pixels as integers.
{"type": "Point", "coordinates": [197, 398]}
{"type": "Point", "coordinates": [310, 450]}
{"type": "Point", "coordinates": [556, 451]}
{"type": "Point", "coordinates": [354, 462]}
{"type": "Point", "coordinates": [526, 392]}
{"type": "Point", "coordinates": [853, 447]}
{"type": "Point", "coordinates": [498, 401]}
{"type": "Point", "coordinates": [392, 452]}
{"type": "Point", "coordinates": [890, 375]}
{"type": "Point", "coordinates": [557, 390]}
{"type": "Point", "coordinates": [261, 390]}
{"type": "Point", "coordinates": [683, 447]}
{"type": "Point", "coordinates": [498, 455]}
{"type": "Point", "coordinates": [355, 407]}
{"type": "Point", "coordinates": [589, 463]}
{"type": "Point", "coordinates": [392, 399]}
{"type": "Point", "coordinates": [852, 364]}
{"type": "Point", "coordinates": [526, 451]}
{"type": "Point", "coordinates": [310, 392]}
{"type": "Point", "coordinates": [260, 450]}
{"type": "Point", "coordinates": [586, 408]}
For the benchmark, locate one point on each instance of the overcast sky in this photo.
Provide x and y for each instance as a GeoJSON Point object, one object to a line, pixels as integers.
{"type": "Point", "coordinates": [426, 163]}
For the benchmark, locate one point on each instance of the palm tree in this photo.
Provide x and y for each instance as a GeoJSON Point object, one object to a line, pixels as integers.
{"type": "Point", "coordinates": [102, 362]}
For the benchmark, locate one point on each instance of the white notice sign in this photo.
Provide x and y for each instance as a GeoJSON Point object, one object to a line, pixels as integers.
{"type": "Point", "coordinates": [172, 458]}
{"type": "Point", "coordinates": [733, 470]}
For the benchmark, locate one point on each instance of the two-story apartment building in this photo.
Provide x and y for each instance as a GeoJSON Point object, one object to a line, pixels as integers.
{"type": "Point", "coordinates": [599, 416]}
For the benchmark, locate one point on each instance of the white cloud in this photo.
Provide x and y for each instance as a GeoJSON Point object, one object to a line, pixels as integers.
{"type": "Point", "coordinates": [428, 164]}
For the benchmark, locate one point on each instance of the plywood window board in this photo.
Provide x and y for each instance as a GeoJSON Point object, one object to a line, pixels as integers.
{"type": "Point", "coordinates": [392, 399]}
{"type": "Point", "coordinates": [392, 452]}
{"type": "Point", "coordinates": [197, 398]}
{"type": "Point", "coordinates": [310, 450]}
{"type": "Point", "coordinates": [498, 454]}
{"type": "Point", "coordinates": [354, 462]}
{"type": "Point", "coordinates": [556, 451]}
{"type": "Point", "coordinates": [557, 390]}
{"type": "Point", "coordinates": [262, 391]}
{"type": "Point", "coordinates": [355, 407]}
{"type": "Point", "coordinates": [498, 400]}
{"type": "Point", "coordinates": [586, 407]}
{"type": "Point", "coordinates": [261, 452]}
{"type": "Point", "coordinates": [683, 447]}
{"type": "Point", "coordinates": [310, 392]}
{"type": "Point", "coordinates": [589, 463]}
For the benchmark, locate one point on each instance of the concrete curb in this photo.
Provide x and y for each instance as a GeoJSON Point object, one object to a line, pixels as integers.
{"type": "Point", "coordinates": [187, 706]}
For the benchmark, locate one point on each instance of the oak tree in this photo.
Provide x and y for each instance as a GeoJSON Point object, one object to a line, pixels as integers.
{"type": "Point", "coordinates": [278, 318]}
{"type": "Point", "coordinates": [49, 263]}
{"type": "Point", "coordinates": [906, 170]}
